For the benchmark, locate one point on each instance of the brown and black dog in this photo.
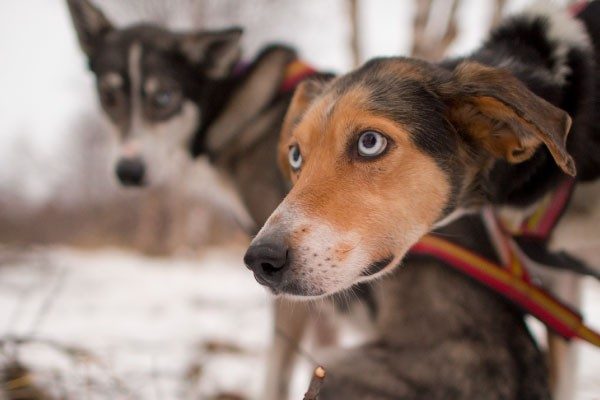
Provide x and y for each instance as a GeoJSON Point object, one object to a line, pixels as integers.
{"type": "Point", "coordinates": [382, 155]}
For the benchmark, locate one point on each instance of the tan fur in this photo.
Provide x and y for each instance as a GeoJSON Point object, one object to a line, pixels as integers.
{"type": "Point", "coordinates": [334, 189]}
{"type": "Point", "coordinates": [338, 193]}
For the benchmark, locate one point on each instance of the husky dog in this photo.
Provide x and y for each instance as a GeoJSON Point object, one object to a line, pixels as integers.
{"type": "Point", "coordinates": [157, 88]}
{"type": "Point", "coordinates": [172, 97]}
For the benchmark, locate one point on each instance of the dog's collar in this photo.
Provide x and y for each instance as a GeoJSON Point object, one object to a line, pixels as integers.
{"type": "Point", "coordinates": [510, 277]}
{"type": "Point", "coordinates": [577, 8]}
{"type": "Point", "coordinates": [295, 72]}
{"type": "Point", "coordinates": [541, 222]}
{"type": "Point", "coordinates": [513, 283]}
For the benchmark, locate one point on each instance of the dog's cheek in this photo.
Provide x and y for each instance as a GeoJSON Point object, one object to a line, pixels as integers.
{"type": "Point", "coordinates": [404, 208]}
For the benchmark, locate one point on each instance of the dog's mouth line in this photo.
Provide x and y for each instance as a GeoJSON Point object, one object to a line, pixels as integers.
{"type": "Point", "coordinates": [377, 266]}
{"type": "Point", "coordinates": [294, 290]}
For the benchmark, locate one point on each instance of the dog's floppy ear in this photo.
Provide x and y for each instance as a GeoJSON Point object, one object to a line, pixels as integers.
{"type": "Point", "coordinates": [304, 94]}
{"type": "Point", "coordinates": [505, 117]}
{"type": "Point", "coordinates": [216, 51]}
{"type": "Point", "coordinates": [90, 24]}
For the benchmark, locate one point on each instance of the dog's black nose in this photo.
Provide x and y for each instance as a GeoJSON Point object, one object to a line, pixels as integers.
{"type": "Point", "coordinates": [130, 171]}
{"type": "Point", "coordinates": [268, 261]}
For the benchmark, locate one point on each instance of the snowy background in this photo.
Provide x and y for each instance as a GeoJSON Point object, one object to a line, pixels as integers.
{"type": "Point", "coordinates": [97, 319]}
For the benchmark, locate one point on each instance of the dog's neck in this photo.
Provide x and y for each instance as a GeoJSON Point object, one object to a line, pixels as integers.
{"type": "Point", "coordinates": [442, 294]}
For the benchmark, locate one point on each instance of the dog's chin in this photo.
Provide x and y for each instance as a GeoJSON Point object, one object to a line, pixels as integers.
{"type": "Point", "coordinates": [134, 186]}
{"type": "Point", "coordinates": [294, 290]}
{"type": "Point", "coordinates": [299, 294]}
{"type": "Point", "coordinates": [305, 290]}
{"type": "Point", "coordinates": [370, 273]}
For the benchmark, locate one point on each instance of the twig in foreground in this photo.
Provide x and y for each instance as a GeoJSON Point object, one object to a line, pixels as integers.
{"type": "Point", "coordinates": [315, 384]}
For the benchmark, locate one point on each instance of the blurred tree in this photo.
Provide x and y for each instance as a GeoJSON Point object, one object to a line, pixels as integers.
{"type": "Point", "coordinates": [354, 33]}
{"type": "Point", "coordinates": [435, 28]}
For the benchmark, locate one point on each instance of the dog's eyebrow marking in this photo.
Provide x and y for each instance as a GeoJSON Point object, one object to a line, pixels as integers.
{"type": "Point", "coordinates": [151, 85]}
{"type": "Point", "coordinates": [112, 79]}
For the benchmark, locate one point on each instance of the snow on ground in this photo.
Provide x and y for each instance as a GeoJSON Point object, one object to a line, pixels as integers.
{"type": "Point", "coordinates": [148, 328]}
{"type": "Point", "coordinates": [154, 328]}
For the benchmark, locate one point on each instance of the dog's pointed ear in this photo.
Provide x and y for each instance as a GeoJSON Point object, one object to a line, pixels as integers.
{"type": "Point", "coordinates": [307, 91]}
{"type": "Point", "coordinates": [501, 114]}
{"type": "Point", "coordinates": [216, 51]}
{"type": "Point", "coordinates": [90, 24]}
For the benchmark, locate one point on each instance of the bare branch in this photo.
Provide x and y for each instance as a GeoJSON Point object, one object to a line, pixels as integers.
{"type": "Point", "coordinates": [355, 33]}
{"type": "Point", "coordinates": [315, 384]}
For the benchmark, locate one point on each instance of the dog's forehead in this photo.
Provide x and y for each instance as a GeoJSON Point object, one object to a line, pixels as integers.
{"type": "Point", "coordinates": [397, 89]}
{"type": "Point", "coordinates": [149, 36]}
{"type": "Point", "coordinates": [393, 73]}
{"type": "Point", "coordinates": [314, 123]}
{"type": "Point", "coordinates": [115, 49]}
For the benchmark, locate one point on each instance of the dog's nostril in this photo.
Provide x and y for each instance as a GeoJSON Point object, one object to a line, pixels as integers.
{"type": "Point", "coordinates": [269, 268]}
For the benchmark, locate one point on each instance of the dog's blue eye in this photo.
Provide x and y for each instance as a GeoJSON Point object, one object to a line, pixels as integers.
{"type": "Point", "coordinates": [371, 144]}
{"type": "Point", "coordinates": [294, 157]}
{"type": "Point", "coordinates": [162, 98]}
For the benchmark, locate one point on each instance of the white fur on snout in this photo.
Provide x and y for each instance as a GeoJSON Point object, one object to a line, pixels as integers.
{"type": "Point", "coordinates": [130, 149]}
{"type": "Point", "coordinates": [323, 260]}
{"type": "Point", "coordinates": [164, 146]}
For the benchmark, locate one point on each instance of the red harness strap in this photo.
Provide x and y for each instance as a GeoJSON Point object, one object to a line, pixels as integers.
{"type": "Point", "coordinates": [576, 8]}
{"type": "Point", "coordinates": [511, 284]}
{"type": "Point", "coordinates": [295, 72]}
{"type": "Point", "coordinates": [541, 223]}
{"type": "Point", "coordinates": [509, 278]}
